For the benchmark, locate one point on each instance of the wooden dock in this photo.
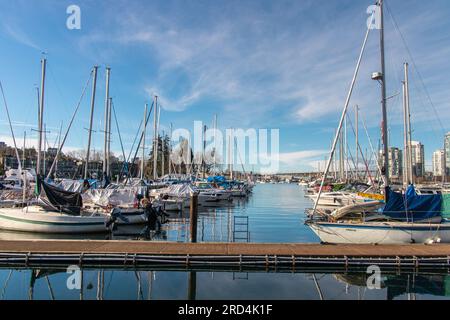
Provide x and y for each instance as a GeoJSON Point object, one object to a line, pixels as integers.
{"type": "Point", "coordinates": [220, 249]}
{"type": "Point", "coordinates": [254, 255]}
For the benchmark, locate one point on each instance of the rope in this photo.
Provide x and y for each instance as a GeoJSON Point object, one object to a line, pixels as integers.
{"type": "Point", "coordinates": [118, 131]}
{"type": "Point", "coordinates": [415, 67]}
{"type": "Point", "coordinates": [362, 155]}
{"type": "Point", "coordinates": [70, 124]}
{"type": "Point", "coordinates": [11, 128]}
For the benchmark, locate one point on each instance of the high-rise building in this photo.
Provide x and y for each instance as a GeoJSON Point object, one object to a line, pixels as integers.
{"type": "Point", "coordinates": [447, 153]}
{"type": "Point", "coordinates": [438, 163]}
{"type": "Point", "coordinates": [395, 158]}
{"type": "Point", "coordinates": [418, 159]}
{"type": "Point", "coordinates": [395, 163]}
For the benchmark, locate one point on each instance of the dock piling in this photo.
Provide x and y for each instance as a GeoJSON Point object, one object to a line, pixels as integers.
{"type": "Point", "coordinates": [192, 285]}
{"type": "Point", "coordinates": [193, 214]}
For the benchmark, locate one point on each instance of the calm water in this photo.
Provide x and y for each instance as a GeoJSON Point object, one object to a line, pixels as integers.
{"type": "Point", "coordinates": [275, 214]}
{"type": "Point", "coordinates": [143, 285]}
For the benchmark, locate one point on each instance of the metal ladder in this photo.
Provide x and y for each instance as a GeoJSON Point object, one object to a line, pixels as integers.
{"type": "Point", "coordinates": [241, 233]}
{"type": "Point", "coordinates": [240, 229]}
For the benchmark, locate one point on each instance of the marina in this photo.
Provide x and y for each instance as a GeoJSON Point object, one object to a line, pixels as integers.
{"type": "Point", "coordinates": [147, 268]}
{"type": "Point", "coordinates": [197, 174]}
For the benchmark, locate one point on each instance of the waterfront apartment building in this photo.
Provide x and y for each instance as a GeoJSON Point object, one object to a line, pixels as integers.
{"type": "Point", "coordinates": [418, 159]}
{"type": "Point", "coordinates": [438, 163]}
{"type": "Point", "coordinates": [395, 158]}
{"type": "Point", "coordinates": [395, 163]}
{"type": "Point", "coordinates": [447, 153]}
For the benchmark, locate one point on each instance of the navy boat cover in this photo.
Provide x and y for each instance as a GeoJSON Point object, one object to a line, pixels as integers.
{"type": "Point", "coordinates": [411, 206]}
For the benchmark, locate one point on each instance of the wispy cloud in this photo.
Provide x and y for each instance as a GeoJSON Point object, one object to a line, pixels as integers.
{"type": "Point", "coordinates": [20, 36]}
{"type": "Point", "coordinates": [255, 68]}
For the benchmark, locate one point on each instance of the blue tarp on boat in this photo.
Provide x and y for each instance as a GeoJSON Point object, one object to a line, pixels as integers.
{"type": "Point", "coordinates": [217, 179]}
{"type": "Point", "coordinates": [411, 206]}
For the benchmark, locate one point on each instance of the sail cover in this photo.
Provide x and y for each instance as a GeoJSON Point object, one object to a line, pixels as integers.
{"type": "Point", "coordinates": [217, 179]}
{"type": "Point", "coordinates": [61, 200]}
{"type": "Point", "coordinates": [411, 206]}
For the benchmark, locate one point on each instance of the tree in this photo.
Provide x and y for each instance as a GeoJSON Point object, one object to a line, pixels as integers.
{"type": "Point", "coordinates": [163, 155]}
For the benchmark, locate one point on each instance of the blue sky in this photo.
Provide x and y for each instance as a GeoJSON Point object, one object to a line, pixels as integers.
{"type": "Point", "coordinates": [256, 64]}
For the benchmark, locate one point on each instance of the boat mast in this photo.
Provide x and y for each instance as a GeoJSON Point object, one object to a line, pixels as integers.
{"type": "Point", "coordinates": [408, 149]}
{"type": "Point", "coordinates": [163, 150]}
{"type": "Point", "coordinates": [357, 141]}
{"type": "Point", "coordinates": [334, 161]}
{"type": "Point", "coordinates": [215, 143]}
{"type": "Point", "coordinates": [155, 141]}
{"type": "Point", "coordinates": [144, 128]}
{"type": "Point", "coordinates": [24, 175]}
{"type": "Point", "coordinates": [231, 154]}
{"type": "Point", "coordinates": [105, 148]}
{"type": "Point", "coordinates": [346, 150]}
{"type": "Point", "coordinates": [341, 156]}
{"type": "Point", "coordinates": [385, 169]}
{"type": "Point", "coordinates": [406, 180]}
{"type": "Point", "coordinates": [170, 151]}
{"type": "Point", "coordinates": [94, 84]}
{"type": "Point", "coordinates": [23, 155]}
{"type": "Point", "coordinates": [108, 161]}
{"type": "Point", "coordinates": [157, 131]}
{"type": "Point", "coordinates": [40, 115]}
{"type": "Point", "coordinates": [59, 146]}
{"type": "Point", "coordinates": [45, 155]}
{"type": "Point", "coordinates": [203, 152]}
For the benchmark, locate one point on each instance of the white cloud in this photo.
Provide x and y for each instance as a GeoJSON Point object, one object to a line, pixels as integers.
{"type": "Point", "coordinates": [18, 35]}
{"type": "Point", "coordinates": [258, 69]}
{"type": "Point", "coordinates": [296, 161]}
{"type": "Point", "coordinates": [298, 158]}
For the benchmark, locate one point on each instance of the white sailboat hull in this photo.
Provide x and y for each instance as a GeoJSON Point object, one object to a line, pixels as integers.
{"type": "Point", "coordinates": [239, 193]}
{"type": "Point", "coordinates": [337, 200]}
{"type": "Point", "coordinates": [133, 216]}
{"type": "Point", "coordinates": [381, 233]}
{"type": "Point", "coordinates": [206, 198]}
{"type": "Point", "coordinates": [175, 204]}
{"type": "Point", "coordinates": [40, 221]}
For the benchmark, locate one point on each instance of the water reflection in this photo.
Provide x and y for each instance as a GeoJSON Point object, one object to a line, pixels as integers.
{"type": "Point", "coordinates": [138, 284]}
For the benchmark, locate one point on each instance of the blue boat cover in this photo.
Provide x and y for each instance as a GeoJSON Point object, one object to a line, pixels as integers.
{"type": "Point", "coordinates": [217, 179]}
{"type": "Point", "coordinates": [411, 206]}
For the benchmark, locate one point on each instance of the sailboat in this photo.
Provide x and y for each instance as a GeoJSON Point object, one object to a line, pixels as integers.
{"type": "Point", "coordinates": [57, 211]}
{"type": "Point", "coordinates": [54, 216]}
{"type": "Point", "coordinates": [405, 218]}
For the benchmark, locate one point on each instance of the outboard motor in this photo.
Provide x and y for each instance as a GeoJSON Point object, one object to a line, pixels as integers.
{"type": "Point", "coordinates": [115, 214]}
{"type": "Point", "coordinates": [154, 216]}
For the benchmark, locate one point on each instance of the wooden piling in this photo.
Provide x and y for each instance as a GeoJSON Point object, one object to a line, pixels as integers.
{"type": "Point", "coordinates": [192, 285]}
{"type": "Point", "coordinates": [193, 214]}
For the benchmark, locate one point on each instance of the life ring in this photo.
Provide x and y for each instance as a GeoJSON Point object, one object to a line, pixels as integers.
{"type": "Point", "coordinates": [144, 202]}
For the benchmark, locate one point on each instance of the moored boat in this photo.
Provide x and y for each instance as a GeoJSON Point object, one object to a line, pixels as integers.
{"type": "Point", "coordinates": [39, 220]}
